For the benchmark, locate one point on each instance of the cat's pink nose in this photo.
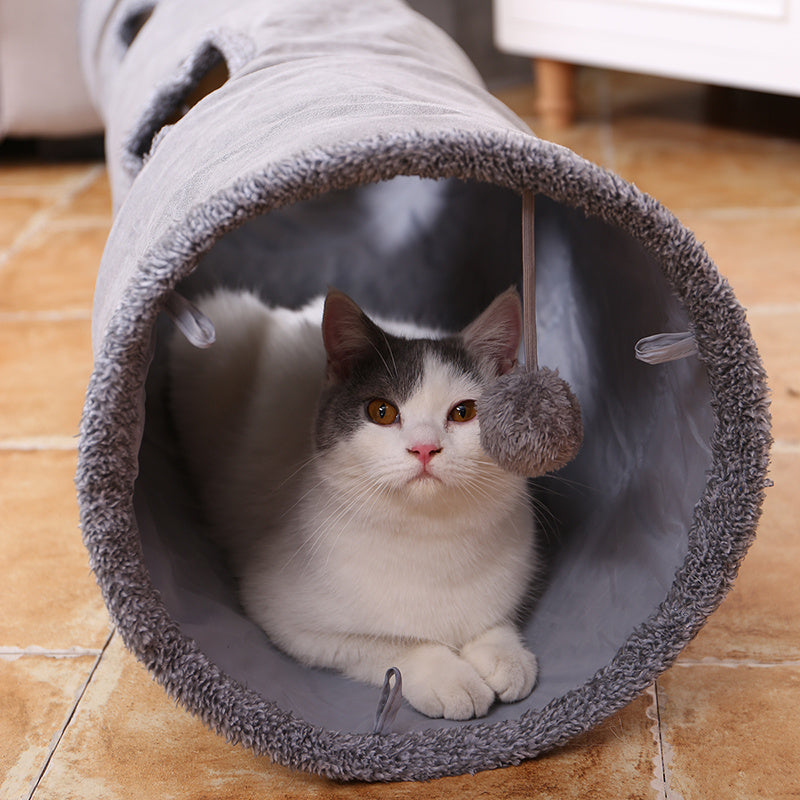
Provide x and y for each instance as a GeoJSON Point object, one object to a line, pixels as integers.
{"type": "Point", "coordinates": [425, 452]}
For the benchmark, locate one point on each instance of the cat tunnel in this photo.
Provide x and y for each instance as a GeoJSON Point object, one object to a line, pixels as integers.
{"type": "Point", "coordinates": [288, 147]}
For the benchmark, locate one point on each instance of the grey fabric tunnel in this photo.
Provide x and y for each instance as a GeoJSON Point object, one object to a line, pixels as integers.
{"type": "Point", "coordinates": [289, 147]}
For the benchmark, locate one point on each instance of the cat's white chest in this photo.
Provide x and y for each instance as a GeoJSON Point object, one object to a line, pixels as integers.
{"type": "Point", "coordinates": [437, 580]}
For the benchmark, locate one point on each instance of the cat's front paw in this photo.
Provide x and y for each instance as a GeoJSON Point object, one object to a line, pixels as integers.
{"type": "Point", "coordinates": [503, 663]}
{"type": "Point", "coordinates": [440, 684]}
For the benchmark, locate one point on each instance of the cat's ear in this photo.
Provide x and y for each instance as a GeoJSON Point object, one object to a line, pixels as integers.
{"type": "Point", "coordinates": [347, 332]}
{"type": "Point", "coordinates": [495, 336]}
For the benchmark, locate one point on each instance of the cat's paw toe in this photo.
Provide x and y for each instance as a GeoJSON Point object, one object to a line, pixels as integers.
{"type": "Point", "coordinates": [464, 697]}
{"type": "Point", "coordinates": [444, 685]}
{"type": "Point", "coordinates": [513, 678]}
{"type": "Point", "coordinates": [506, 666]}
{"type": "Point", "coordinates": [456, 701]}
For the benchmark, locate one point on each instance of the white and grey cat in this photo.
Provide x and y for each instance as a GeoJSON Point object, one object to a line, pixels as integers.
{"type": "Point", "coordinates": [340, 466]}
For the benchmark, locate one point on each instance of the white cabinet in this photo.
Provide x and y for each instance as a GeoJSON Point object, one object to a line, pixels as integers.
{"type": "Point", "coordinates": [753, 44]}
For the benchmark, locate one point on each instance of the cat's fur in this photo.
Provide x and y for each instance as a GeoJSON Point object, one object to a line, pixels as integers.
{"type": "Point", "coordinates": [348, 556]}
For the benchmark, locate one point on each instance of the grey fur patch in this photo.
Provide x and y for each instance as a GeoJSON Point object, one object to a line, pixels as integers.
{"type": "Point", "coordinates": [393, 370]}
{"type": "Point", "coordinates": [531, 422]}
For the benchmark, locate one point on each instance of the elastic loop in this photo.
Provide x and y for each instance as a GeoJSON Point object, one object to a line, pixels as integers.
{"type": "Point", "coordinates": [390, 702]}
{"type": "Point", "coordinates": [190, 321]}
{"type": "Point", "coordinates": [665, 347]}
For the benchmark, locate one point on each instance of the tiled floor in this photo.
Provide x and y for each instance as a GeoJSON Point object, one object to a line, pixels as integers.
{"type": "Point", "coordinates": [79, 718]}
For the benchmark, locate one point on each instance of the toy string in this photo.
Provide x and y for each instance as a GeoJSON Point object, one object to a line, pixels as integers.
{"type": "Point", "coordinates": [528, 283]}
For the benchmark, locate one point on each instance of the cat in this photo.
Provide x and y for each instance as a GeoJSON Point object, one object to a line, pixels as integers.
{"type": "Point", "coordinates": [339, 464]}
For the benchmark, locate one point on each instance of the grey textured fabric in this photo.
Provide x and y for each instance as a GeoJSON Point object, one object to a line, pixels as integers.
{"type": "Point", "coordinates": [353, 144]}
{"type": "Point", "coordinates": [531, 422]}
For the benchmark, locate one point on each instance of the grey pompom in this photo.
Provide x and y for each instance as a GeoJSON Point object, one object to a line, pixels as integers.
{"type": "Point", "coordinates": [530, 422]}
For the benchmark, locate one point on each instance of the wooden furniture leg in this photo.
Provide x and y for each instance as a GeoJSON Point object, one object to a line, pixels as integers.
{"type": "Point", "coordinates": [555, 92]}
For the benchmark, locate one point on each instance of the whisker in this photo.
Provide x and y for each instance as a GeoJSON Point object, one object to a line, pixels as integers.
{"type": "Point", "coordinates": [391, 354]}
{"type": "Point", "coordinates": [373, 497]}
{"type": "Point", "coordinates": [383, 360]}
{"type": "Point", "coordinates": [332, 509]}
{"type": "Point", "coordinates": [342, 504]}
{"type": "Point", "coordinates": [568, 482]}
{"type": "Point", "coordinates": [303, 496]}
{"type": "Point", "coordinates": [303, 465]}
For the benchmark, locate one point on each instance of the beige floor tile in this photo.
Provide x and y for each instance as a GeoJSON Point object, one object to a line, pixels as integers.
{"type": "Point", "coordinates": [37, 176]}
{"type": "Point", "coordinates": [760, 618]}
{"type": "Point", "coordinates": [688, 167]}
{"type": "Point", "coordinates": [93, 202]}
{"type": "Point", "coordinates": [734, 733]}
{"type": "Point", "coordinates": [776, 336]}
{"type": "Point", "coordinates": [48, 595]}
{"type": "Point", "coordinates": [55, 271]}
{"type": "Point", "coordinates": [15, 213]}
{"type": "Point", "coordinates": [756, 252]}
{"type": "Point", "coordinates": [635, 96]}
{"type": "Point", "coordinates": [45, 368]}
{"type": "Point", "coordinates": [613, 760]}
{"type": "Point", "coordinates": [38, 694]}
{"type": "Point", "coordinates": [129, 740]}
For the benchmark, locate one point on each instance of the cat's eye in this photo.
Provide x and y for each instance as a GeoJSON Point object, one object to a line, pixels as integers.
{"type": "Point", "coordinates": [382, 412]}
{"type": "Point", "coordinates": [463, 412]}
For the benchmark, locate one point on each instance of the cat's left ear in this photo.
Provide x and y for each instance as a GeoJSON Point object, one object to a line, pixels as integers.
{"type": "Point", "coordinates": [495, 336]}
{"type": "Point", "coordinates": [348, 334]}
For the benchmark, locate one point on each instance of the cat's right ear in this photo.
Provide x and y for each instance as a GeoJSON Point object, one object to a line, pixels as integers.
{"type": "Point", "coordinates": [495, 336]}
{"type": "Point", "coordinates": [347, 333]}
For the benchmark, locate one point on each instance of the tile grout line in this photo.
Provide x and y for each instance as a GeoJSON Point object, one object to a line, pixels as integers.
{"type": "Point", "coordinates": [659, 782]}
{"type": "Point", "coordinates": [773, 309]}
{"type": "Point", "coordinates": [41, 218]}
{"type": "Point", "coordinates": [662, 777]}
{"type": "Point", "coordinates": [65, 315]}
{"type": "Point", "coordinates": [733, 663]}
{"type": "Point", "coordinates": [56, 740]}
{"type": "Point", "coordinates": [82, 223]}
{"type": "Point", "coordinates": [733, 213]}
{"type": "Point", "coordinates": [13, 653]}
{"type": "Point", "coordinates": [786, 446]}
{"type": "Point", "coordinates": [35, 444]}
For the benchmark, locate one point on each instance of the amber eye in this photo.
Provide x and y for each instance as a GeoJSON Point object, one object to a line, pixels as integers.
{"type": "Point", "coordinates": [382, 412]}
{"type": "Point", "coordinates": [463, 412]}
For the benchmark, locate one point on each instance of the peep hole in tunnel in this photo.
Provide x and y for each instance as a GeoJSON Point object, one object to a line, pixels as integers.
{"type": "Point", "coordinates": [210, 72]}
{"type": "Point", "coordinates": [132, 25]}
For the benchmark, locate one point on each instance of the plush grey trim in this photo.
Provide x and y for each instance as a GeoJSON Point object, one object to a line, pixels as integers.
{"type": "Point", "coordinates": [724, 521]}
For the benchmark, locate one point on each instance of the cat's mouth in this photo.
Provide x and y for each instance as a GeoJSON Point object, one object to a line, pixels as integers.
{"type": "Point", "coordinates": [425, 476]}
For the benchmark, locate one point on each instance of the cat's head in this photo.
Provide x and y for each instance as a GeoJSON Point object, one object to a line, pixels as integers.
{"type": "Point", "coordinates": [400, 417]}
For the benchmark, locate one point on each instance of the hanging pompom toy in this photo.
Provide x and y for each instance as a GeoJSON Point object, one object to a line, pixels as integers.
{"type": "Point", "coordinates": [530, 419]}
